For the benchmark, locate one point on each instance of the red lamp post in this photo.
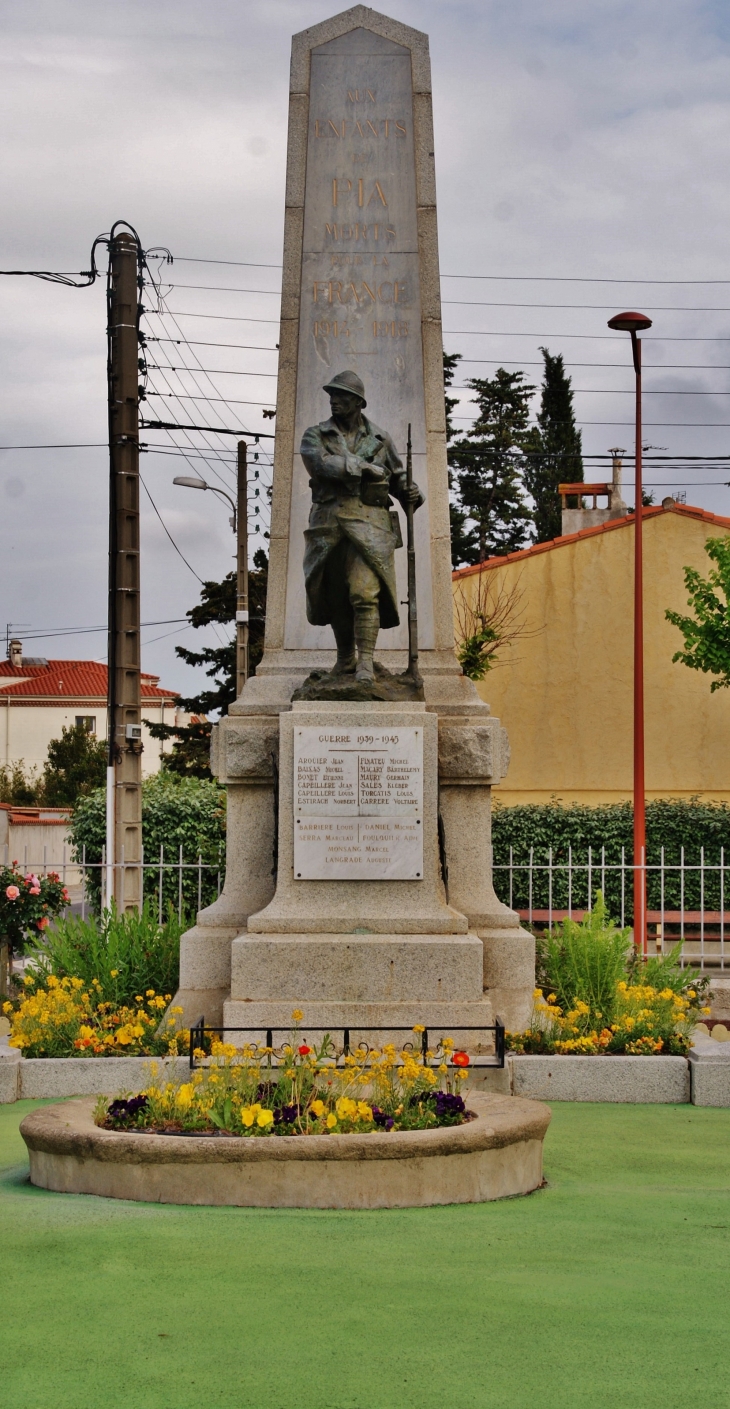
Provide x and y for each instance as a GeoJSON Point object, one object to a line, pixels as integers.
{"type": "Point", "coordinates": [634, 323]}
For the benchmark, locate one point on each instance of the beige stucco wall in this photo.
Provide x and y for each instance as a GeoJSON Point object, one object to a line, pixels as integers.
{"type": "Point", "coordinates": [565, 694]}
{"type": "Point", "coordinates": [27, 730]}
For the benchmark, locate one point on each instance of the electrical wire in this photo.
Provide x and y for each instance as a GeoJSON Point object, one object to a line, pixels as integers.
{"type": "Point", "coordinates": [511, 278]}
{"type": "Point", "coordinates": [167, 531]}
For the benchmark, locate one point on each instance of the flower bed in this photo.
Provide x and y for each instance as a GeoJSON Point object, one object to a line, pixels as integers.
{"type": "Point", "coordinates": [67, 1018]}
{"type": "Point", "coordinates": [646, 1023]}
{"type": "Point", "coordinates": [605, 999]}
{"type": "Point", "coordinates": [300, 1089]}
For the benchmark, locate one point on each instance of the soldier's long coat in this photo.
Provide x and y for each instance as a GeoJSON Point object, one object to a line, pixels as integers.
{"type": "Point", "coordinates": [345, 507]}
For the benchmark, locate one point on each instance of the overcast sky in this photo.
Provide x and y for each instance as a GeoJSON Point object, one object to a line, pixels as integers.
{"type": "Point", "coordinates": [573, 141]}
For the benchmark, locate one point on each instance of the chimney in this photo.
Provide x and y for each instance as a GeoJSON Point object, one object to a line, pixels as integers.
{"type": "Point", "coordinates": [15, 653]}
{"type": "Point", "coordinates": [617, 499]}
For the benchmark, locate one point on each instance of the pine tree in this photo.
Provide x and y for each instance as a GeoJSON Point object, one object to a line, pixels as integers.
{"type": "Point", "coordinates": [555, 450]}
{"type": "Point", "coordinates": [457, 517]}
{"type": "Point", "coordinates": [191, 750]}
{"type": "Point", "coordinates": [487, 466]}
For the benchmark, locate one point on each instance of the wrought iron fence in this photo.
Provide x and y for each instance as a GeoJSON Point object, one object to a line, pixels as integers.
{"type": "Point", "coordinates": [276, 1054]}
{"type": "Point", "coordinates": [685, 899]}
{"type": "Point", "coordinates": [185, 884]}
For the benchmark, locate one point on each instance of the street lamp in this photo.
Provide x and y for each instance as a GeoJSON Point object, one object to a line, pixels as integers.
{"type": "Point", "coordinates": [635, 323]}
{"type": "Point", "coordinates": [193, 482]}
{"type": "Point", "coordinates": [239, 524]}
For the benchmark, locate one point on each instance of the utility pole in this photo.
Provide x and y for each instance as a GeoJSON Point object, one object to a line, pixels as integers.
{"type": "Point", "coordinates": [124, 770]}
{"type": "Point", "coordinates": [242, 573]}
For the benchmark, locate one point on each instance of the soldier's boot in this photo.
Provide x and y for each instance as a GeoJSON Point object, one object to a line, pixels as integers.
{"type": "Point", "coordinates": [367, 625]}
{"type": "Point", "coordinates": [346, 657]}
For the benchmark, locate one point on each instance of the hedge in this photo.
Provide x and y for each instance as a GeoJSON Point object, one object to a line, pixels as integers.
{"type": "Point", "coordinates": [671, 824]}
{"type": "Point", "coordinates": [175, 811]}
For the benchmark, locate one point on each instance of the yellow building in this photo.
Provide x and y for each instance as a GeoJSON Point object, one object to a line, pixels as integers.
{"type": "Point", "coordinates": [563, 687]}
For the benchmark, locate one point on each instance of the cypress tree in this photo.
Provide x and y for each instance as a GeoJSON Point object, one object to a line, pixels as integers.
{"type": "Point", "coordinates": [487, 466]}
{"type": "Point", "coordinates": [555, 450]}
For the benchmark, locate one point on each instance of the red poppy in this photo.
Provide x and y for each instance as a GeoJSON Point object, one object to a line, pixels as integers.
{"type": "Point", "coordinates": [304, 1051]}
{"type": "Point", "coordinates": [460, 1059]}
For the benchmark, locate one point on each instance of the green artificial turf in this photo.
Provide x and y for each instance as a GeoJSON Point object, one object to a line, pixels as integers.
{"type": "Point", "coordinates": [608, 1288]}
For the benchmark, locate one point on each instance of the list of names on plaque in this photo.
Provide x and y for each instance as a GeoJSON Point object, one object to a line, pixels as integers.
{"type": "Point", "coordinates": [358, 804]}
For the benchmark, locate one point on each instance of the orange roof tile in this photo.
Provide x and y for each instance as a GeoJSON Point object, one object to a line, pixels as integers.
{"type": "Point", "coordinates": [686, 510]}
{"type": "Point", "coordinates": [69, 679]}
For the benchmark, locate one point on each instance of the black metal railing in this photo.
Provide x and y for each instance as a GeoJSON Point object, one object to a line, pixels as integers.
{"type": "Point", "coordinates": [199, 1030]}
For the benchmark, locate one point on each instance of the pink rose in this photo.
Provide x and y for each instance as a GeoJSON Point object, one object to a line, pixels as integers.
{"type": "Point", "coordinates": [43, 922]}
{"type": "Point", "coordinates": [35, 890]}
{"type": "Point", "coordinates": [12, 892]}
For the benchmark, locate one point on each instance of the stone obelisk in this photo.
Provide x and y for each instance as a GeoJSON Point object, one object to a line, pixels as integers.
{"type": "Point", "coordinates": [358, 881]}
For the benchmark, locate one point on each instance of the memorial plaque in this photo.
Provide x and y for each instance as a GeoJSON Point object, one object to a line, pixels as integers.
{"type": "Point", "coordinates": [358, 804]}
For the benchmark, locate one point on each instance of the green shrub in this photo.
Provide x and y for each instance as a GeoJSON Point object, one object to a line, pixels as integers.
{"type": "Point", "coordinates": [127, 954]}
{"type": "Point", "coordinates": [176, 811]}
{"type": "Point", "coordinates": [671, 824]}
{"type": "Point", "coordinates": [583, 962]}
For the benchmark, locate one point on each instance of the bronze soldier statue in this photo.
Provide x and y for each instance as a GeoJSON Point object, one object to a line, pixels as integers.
{"type": "Point", "coordinates": [349, 563]}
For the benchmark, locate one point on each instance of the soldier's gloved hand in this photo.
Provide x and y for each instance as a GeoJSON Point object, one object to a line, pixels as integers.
{"type": "Point", "coordinates": [411, 496]}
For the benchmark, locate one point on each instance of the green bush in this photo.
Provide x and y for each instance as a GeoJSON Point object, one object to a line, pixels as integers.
{"type": "Point", "coordinates": [670, 823]}
{"type": "Point", "coordinates": [127, 954]}
{"type": "Point", "coordinates": [584, 962]}
{"type": "Point", "coordinates": [176, 811]}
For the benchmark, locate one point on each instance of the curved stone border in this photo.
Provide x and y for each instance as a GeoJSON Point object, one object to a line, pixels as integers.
{"type": "Point", "coordinates": [495, 1156]}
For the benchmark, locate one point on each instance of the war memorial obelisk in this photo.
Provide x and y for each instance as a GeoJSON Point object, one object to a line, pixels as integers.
{"type": "Point", "coordinates": [358, 882]}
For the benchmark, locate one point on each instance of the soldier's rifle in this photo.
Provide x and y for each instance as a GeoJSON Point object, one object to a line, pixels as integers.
{"type": "Point", "coordinates": [413, 670]}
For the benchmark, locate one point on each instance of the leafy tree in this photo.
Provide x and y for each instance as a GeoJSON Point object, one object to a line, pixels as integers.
{"type": "Point", "coordinates": [188, 812]}
{"type": "Point", "coordinates": [554, 448]}
{"type": "Point", "coordinates": [190, 755]}
{"type": "Point", "coordinates": [707, 633]}
{"type": "Point", "coordinates": [16, 786]}
{"type": "Point", "coordinates": [487, 466]}
{"type": "Point", "coordinates": [76, 765]}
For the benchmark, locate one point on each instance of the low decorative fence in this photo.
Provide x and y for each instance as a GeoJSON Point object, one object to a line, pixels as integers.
{"type": "Point", "coordinates": [685, 899]}
{"type": "Point", "coordinates": [169, 878]}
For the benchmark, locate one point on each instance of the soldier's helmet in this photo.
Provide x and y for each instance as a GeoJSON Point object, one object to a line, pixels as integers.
{"type": "Point", "coordinates": [347, 381]}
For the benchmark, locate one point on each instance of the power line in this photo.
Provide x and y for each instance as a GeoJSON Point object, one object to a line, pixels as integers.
{"type": "Point", "coordinates": [222, 317]}
{"type": "Point", "coordinates": [588, 307]}
{"type": "Point", "coordinates": [590, 337]}
{"type": "Point", "coordinates": [225, 371]}
{"type": "Point", "coordinates": [78, 445]}
{"type": "Point", "coordinates": [86, 630]}
{"type": "Point", "coordinates": [468, 302]}
{"type": "Point", "coordinates": [172, 426]}
{"type": "Point", "coordinates": [193, 342]}
{"type": "Point", "coordinates": [186, 396]}
{"type": "Point", "coordinates": [511, 278]}
{"type": "Point", "coordinates": [167, 531]}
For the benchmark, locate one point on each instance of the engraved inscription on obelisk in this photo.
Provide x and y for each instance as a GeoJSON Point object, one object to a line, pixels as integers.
{"type": "Point", "coordinates": [360, 305]}
{"type": "Point", "coordinates": [358, 804]}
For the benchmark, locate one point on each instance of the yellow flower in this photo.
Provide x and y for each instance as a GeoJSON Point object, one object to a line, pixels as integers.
{"type": "Point", "coordinates": [149, 993]}
{"type": "Point", "coordinates": [331, 1121]}
{"type": "Point", "coordinates": [114, 973]}
{"type": "Point", "coordinates": [185, 1095]}
{"type": "Point", "coordinates": [297, 1015]}
{"type": "Point", "coordinates": [248, 1116]}
{"type": "Point", "coordinates": [264, 1119]}
{"type": "Point", "coordinates": [419, 1027]}
{"type": "Point", "coordinates": [691, 993]}
{"type": "Point", "coordinates": [317, 1108]}
{"type": "Point", "coordinates": [176, 1010]}
{"type": "Point", "coordinates": [7, 1007]}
